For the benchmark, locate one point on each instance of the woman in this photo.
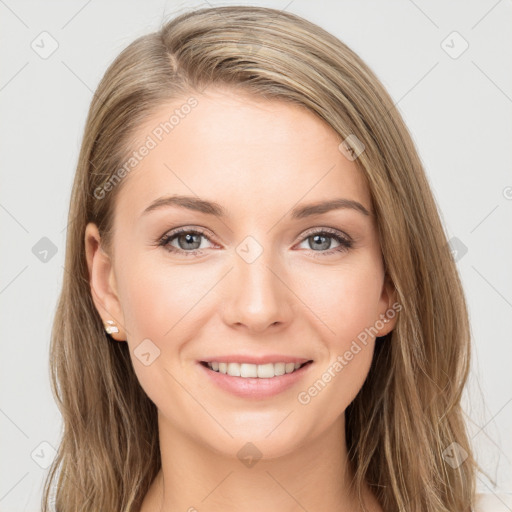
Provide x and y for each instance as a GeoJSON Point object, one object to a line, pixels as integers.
{"type": "Point", "coordinates": [260, 309]}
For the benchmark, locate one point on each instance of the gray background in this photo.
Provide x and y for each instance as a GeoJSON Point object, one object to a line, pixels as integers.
{"type": "Point", "coordinates": [457, 107]}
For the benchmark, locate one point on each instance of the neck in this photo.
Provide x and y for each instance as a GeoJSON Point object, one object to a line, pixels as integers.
{"type": "Point", "coordinates": [194, 477]}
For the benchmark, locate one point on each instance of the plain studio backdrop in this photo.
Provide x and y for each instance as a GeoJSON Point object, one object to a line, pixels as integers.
{"type": "Point", "coordinates": [447, 67]}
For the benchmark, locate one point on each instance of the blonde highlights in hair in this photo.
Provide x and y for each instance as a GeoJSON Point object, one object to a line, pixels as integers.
{"type": "Point", "coordinates": [408, 410]}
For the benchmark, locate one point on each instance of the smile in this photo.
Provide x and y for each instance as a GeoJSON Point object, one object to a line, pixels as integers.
{"type": "Point", "coordinates": [255, 381]}
{"type": "Point", "coordinates": [247, 370]}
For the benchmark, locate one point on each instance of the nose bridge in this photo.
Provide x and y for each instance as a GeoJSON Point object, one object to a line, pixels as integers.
{"type": "Point", "coordinates": [258, 298]}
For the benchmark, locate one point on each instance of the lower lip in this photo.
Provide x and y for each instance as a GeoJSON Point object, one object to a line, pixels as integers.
{"type": "Point", "coordinates": [255, 388]}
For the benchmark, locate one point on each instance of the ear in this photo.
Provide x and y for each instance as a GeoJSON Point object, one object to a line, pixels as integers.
{"type": "Point", "coordinates": [102, 282]}
{"type": "Point", "coordinates": [389, 308]}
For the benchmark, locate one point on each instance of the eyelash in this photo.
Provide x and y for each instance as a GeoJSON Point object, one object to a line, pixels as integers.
{"type": "Point", "coordinates": [345, 243]}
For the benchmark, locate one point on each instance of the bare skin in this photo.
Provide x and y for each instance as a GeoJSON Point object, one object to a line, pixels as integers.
{"type": "Point", "coordinates": [300, 297]}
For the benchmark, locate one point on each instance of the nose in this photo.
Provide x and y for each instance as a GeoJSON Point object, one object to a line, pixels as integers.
{"type": "Point", "coordinates": [257, 296]}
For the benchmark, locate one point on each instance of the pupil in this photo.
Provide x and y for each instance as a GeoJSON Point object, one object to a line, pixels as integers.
{"type": "Point", "coordinates": [189, 239]}
{"type": "Point", "coordinates": [325, 245]}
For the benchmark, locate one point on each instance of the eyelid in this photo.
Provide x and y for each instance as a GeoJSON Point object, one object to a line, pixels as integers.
{"type": "Point", "coordinates": [346, 242]}
{"type": "Point", "coordinates": [325, 229]}
{"type": "Point", "coordinates": [186, 229]}
{"type": "Point", "coordinates": [209, 234]}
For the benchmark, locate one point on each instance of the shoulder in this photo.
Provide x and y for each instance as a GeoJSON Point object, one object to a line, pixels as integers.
{"type": "Point", "coordinates": [493, 502]}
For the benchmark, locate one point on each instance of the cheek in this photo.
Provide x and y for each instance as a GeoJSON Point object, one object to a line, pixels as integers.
{"type": "Point", "coordinates": [160, 300]}
{"type": "Point", "coordinates": [155, 295]}
{"type": "Point", "coordinates": [164, 303]}
{"type": "Point", "coordinates": [348, 306]}
{"type": "Point", "coordinates": [346, 299]}
{"type": "Point", "coordinates": [160, 304]}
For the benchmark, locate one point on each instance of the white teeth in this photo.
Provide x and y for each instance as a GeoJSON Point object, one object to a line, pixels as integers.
{"type": "Point", "coordinates": [265, 371]}
{"type": "Point", "coordinates": [279, 369]}
{"type": "Point", "coordinates": [246, 370]}
{"type": "Point", "coordinates": [289, 367]}
{"type": "Point", "coordinates": [233, 369]}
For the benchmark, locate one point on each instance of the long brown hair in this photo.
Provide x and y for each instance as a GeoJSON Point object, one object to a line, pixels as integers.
{"type": "Point", "coordinates": [407, 416]}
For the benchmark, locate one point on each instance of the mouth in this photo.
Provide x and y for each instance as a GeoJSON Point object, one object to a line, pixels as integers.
{"type": "Point", "coordinates": [254, 371]}
{"type": "Point", "coordinates": [255, 381]}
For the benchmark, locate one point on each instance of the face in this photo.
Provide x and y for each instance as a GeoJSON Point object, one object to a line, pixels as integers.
{"type": "Point", "coordinates": [254, 276]}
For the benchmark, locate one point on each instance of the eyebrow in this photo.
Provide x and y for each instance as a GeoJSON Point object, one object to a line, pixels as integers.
{"type": "Point", "coordinates": [213, 208]}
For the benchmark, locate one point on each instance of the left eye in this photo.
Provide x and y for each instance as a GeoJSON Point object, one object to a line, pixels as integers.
{"type": "Point", "coordinates": [322, 241]}
{"type": "Point", "coordinates": [189, 242]}
{"type": "Point", "coordinates": [187, 239]}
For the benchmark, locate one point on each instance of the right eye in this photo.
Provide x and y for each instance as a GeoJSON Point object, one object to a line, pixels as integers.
{"type": "Point", "coordinates": [188, 241]}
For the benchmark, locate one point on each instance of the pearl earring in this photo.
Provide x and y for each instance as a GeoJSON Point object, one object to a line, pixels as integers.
{"type": "Point", "coordinates": [111, 327]}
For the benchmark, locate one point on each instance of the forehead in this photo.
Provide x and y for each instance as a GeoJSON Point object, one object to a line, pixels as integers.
{"type": "Point", "coordinates": [252, 155]}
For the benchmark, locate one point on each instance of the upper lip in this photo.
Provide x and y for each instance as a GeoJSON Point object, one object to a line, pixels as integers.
{"type": "Point", "coordinates": [256, 359]}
